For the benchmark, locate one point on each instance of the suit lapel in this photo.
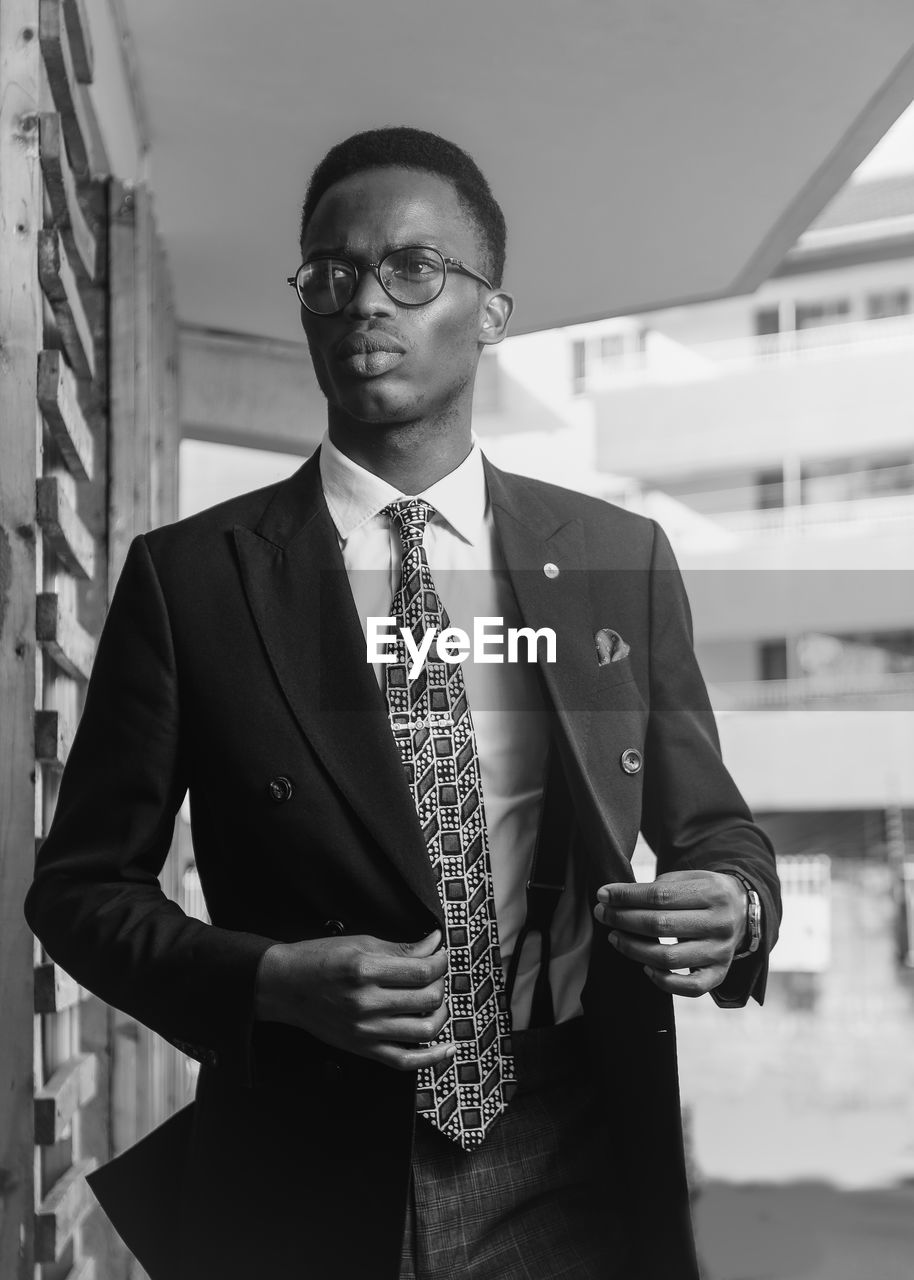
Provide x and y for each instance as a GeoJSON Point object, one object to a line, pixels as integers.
{"type": "Point", "coordinates": [533, 537]}
{"type": "Point", "coordinates": [299, 594]}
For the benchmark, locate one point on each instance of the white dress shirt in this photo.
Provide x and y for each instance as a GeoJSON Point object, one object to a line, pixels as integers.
{"type": "Point", "coordinates": [505, 700]}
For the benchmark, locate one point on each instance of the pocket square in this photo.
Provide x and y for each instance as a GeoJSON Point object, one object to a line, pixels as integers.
{"type": "Point", "coordinates": [610, 646]}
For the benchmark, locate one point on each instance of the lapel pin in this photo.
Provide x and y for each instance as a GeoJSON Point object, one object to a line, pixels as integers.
{"type": "Point", "coordinates": [551, 570]}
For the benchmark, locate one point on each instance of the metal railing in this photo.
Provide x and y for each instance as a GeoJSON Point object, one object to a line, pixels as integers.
{"type": "Point", "coordinates": [871, 513]}
{"type": "Point", "coordinates": [668, 358]}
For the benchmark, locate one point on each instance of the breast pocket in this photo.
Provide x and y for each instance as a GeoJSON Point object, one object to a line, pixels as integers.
{"type": "Point", "coordinates": [614, 673]}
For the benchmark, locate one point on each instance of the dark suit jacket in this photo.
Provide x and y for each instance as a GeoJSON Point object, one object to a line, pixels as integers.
{"type": "Point", "coordinates": [232, 655]}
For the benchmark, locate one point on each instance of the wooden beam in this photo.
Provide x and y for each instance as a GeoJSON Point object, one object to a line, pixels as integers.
{"type": "Point", "coordinates": [62, 77]}
{"type": "Point", "coordinates": [60, 185]}
{"type": "Point", "coordinates": [20, 341]}
{"type": "Point", "coordinates": [82, 1269]}
{"type": "Point", "coordinates": [58, 397]}
{"type": "Point", "coordinates": [53, 738]}
{"type": "Point", "coordinates": [62, 1210]}
{"type": "Point", "coordinates": [63, 529]}
{"type": "Point", "coordinates": [249, 391]}
{"type": "Point", "coordinates": [70, 1087]}
{"type": "Point", "coordinates": [55, 990]}
{"type": "Point", "coordinates": [60, 287]}
{"type": "Point", "coordinates": [81, 49]}
{"type": "Point", "coordinates": [124, 473]}
{"type": "Point", "coordinates": [62, 637]}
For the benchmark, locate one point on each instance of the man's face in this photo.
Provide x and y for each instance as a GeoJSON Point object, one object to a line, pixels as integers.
{"type": "Point", "coordinates": [433, 349]}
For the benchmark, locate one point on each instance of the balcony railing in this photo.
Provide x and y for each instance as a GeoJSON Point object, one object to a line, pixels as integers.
{"type": "Point", "coordinates": [889, 691]}
{"type": "Point", "coordinates": [874, 500]}
{"type": "Point", "coordinates": [664, 358]}
{"type": "Point", "coordinates": [873, 514]}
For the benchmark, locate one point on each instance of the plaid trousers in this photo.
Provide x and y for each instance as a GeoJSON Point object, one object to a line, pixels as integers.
{"type": "Point", "coordinates": [535, 1201]}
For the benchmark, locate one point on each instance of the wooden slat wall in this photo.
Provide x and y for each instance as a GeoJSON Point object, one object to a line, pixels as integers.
{"type": "Point", "coordinates": [20, 342]}
{"type": "Point", "coordinates": [71, 392]}
{"type": "Point", "coordinates": [83, 466]}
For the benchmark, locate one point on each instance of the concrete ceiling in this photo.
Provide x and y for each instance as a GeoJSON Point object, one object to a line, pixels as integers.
{"type": "Point", "coordinates": [658, 151]}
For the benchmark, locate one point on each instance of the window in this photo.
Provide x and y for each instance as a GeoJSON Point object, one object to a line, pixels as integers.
{"type": "Point", "coordinates": [767, 321]}
{"type": "Point", "coordinates": [891, 302]}
{"type": "Point", "coordinates": [612, 346]}
{"type": "Point", "coordinates": [769, 488]}
{"type": "Point", "coordinates": [810, 315]}
{"type": "Point", "coordinates": [623, 344]}
{"type": "Point", "coordinates": [773, 659]}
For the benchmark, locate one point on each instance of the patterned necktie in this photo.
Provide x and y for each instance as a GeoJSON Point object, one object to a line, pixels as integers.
{"type": "Point", "coordinates": [431, 723]}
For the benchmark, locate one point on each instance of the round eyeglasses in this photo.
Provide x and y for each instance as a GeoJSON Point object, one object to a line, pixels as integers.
{"type": "Point", "coordinates": [411, 276]}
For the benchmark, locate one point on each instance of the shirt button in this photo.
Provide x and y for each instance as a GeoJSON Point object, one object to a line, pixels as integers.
{"type": "Point", "coordinates": [631, 760]}
{"type": "Point", "coordinates": [280, 789]}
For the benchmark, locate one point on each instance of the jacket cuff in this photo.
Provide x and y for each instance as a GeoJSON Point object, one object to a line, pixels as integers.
{"type": "Point", "coordinates": [748, 976]}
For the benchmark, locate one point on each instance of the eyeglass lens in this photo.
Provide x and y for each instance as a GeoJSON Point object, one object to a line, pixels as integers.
{"type": "Point", "coordinates": [411, 276]}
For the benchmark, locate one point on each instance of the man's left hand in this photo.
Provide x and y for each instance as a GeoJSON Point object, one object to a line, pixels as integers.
{"type": "Point", "coordinates": [705, 911]}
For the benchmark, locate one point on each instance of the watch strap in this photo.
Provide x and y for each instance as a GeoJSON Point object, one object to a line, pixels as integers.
{"type": "Point", "coordinates": [752, 934]}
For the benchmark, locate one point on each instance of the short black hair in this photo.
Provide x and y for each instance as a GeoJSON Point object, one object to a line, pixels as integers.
{"type": "Point", "coordinates": [402, 147]}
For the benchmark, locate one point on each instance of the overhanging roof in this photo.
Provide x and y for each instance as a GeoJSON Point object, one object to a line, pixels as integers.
{"type": "Point", "coordinates": [659, 152]}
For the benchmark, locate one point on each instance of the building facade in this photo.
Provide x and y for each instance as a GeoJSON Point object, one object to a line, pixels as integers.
{"type": "Point", "coordinates": [773, 437]}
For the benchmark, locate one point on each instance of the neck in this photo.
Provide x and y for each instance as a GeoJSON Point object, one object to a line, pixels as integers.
{"type": "Point", "coordinates": [410, 456]}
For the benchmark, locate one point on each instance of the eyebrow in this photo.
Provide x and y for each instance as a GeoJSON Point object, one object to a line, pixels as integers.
{"type": "Point", "coordinates": [346, 251]}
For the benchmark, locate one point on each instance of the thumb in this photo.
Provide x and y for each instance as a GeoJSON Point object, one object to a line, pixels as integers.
{"type": "Point", "coordinates": [426, 946]}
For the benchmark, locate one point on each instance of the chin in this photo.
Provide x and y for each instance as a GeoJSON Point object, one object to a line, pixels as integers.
{"type": "Point", "coordinates": [375, 405]}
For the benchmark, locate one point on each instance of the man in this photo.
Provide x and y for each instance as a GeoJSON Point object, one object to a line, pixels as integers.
{"type": "Point", "coordinates": [378, 1096]}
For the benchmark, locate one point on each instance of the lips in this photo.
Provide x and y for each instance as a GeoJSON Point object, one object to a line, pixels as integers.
{"type": "Point", "coordinates": [369, 353]}
{"type": "Point", "coordinates": [366, 341]}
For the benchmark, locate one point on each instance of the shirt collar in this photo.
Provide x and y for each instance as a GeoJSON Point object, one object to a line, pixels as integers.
{"type": "Point", "coordinates": [354, 495]}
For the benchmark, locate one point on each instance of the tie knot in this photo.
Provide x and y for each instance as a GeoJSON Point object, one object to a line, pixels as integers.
{"type": "Point", "coordinates": [411, 515]}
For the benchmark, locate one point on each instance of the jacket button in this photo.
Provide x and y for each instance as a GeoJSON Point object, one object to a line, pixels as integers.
{"type": "Point", "coordinates": [631, 760]}
{"type": "Point", "coordinates": [280, 789]}
{"type": "Point", "coordinates": [335, 927]}
{"type": "Point", "coordinates": [332, 1071]}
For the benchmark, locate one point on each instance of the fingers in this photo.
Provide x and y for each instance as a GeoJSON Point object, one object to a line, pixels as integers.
{"type": "Point", "coordinates": [666, 957]}
{"type": "Point", "coordinates": [661, 924]}
{"type": "Point", "coordinates": [410, 1058]}
{"type": "Point", "coordinates": [392, 1001]}
{"type": "Point", "coordinates": [692, 984]}
{"type": "Point", "coordinates": [424, 947]}
{"type": "Point", "coordinates": [403, 1029]}
{"type": "Point", "coordinates": [406, 964]}
{"type": "Point", "coordinates": [674, 891]}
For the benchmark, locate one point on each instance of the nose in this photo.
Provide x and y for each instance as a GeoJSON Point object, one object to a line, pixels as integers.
{"type": "Point", "coordinates": [369, 298]}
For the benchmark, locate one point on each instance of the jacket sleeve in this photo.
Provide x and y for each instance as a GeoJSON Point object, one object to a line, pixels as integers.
{"type": "Point", "coordinates": [96, 903]}
{"type": "Point", "coordinates": [694, 816]}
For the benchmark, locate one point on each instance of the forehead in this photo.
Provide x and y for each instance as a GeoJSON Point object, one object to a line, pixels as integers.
{"type": "Point", "coordinates": [378, 209]}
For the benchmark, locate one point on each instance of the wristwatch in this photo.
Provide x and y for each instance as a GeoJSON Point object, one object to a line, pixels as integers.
{"type": "Point", "coordinates": [752, 935]}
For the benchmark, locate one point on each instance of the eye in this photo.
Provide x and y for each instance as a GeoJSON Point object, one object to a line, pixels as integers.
{"type": "Point", "coordinates": [412, 266]}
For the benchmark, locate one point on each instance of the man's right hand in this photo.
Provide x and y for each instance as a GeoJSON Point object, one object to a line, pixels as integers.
{"type": "Point", "coordinates": [378, 999]}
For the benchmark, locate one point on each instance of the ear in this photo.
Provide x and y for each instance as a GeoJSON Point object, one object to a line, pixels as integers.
{"type": "Point", "coordinates": [495, 318]}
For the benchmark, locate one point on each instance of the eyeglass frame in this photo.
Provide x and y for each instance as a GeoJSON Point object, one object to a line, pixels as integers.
{"type": "Point", "coordinates": [454, 263]}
